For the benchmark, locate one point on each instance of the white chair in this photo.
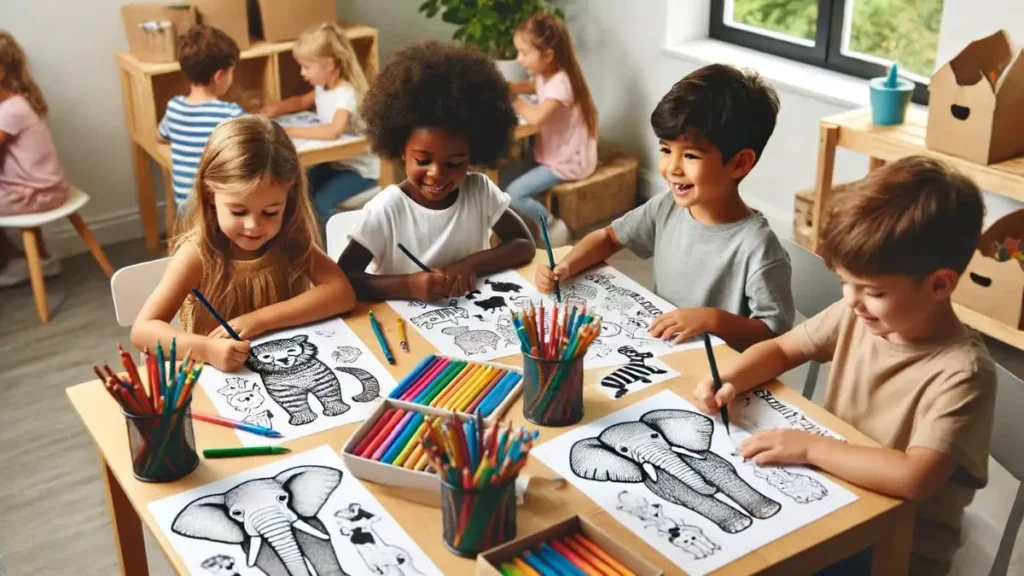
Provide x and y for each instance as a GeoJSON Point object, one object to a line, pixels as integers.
{"type": "Point", "coordinates": [131, 286]}
{"type": "Point", "coordinates": [29, 225]}
{"type": "Point", "coordinates": [815, 288]}
{"type": "Point", "coordinates": [338, 227]}
{"type": "Point", "coordinates": [1005, 449]}
{"type": "Point", "coordinates": [359, 200]}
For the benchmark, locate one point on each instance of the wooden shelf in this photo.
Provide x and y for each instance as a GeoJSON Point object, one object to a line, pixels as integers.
{"type": "Point", "coordinates": [989, 327]}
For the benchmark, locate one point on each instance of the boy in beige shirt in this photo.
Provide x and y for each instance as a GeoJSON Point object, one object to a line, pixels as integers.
{"type": "Point", "coordinates": [905, 371]}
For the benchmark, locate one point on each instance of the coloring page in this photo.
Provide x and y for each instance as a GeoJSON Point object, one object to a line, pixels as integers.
{"type": "Point", "coordinates": [309, 118]}
{"type": "Point", "coordinates": [300, 381]}
{"type": "Point", "coordinates": [641, 371]}
{"type": "Point", "coordinates": [667, 472]}
{"type": "Point", "coordinates": [760, 410]}
{"type": "Point", "coordinates": [301, 515]}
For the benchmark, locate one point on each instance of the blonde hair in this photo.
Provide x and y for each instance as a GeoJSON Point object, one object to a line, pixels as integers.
{"type": "Point", "coordinates": [547, 31]}
{"type": "Point", "coordinates": [14, 76]}
{"type": "Point", "coordinates": [241, 155]}
{"type": "Point", "coordinates": [328, 40]}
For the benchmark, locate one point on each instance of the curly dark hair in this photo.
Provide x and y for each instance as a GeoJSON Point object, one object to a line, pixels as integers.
{"type": "Point", "coordinates": [440, 85]}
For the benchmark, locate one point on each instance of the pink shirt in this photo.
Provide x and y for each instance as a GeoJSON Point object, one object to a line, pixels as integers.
{"type": "Point", "coordinates": [31, 176]}
{"type": "Point", "coordinates": [563, 143]}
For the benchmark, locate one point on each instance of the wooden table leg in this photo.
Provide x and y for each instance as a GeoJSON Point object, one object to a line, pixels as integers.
{"type": "Point", "coordinates": [147, 202]}
{"type": "Point", "coordinates": [890, 554]}
{"type": "Point", "coordinates": [30, 237]}
{"type": "Point", "coordinates": [875, 163]}
{"type": "Point", "coordinates": [128, 538]}
{"type": "Point", "coordinates": [823, 181]}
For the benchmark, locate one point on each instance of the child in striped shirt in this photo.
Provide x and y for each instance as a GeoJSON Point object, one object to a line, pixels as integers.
{"type": "Point", "coordinates": [207, 56]}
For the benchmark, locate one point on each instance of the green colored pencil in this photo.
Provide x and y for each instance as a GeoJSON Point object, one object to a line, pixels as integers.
{"type": "Point", "coordinates": [244, 451]}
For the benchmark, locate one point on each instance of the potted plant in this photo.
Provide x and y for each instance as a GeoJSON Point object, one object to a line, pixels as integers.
{"type": "Point", "coordinates": [489, 25]}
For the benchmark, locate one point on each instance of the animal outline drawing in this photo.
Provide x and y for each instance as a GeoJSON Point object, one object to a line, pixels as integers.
{"type": "Point", "coordinates": [431, 318]}
{"type": "Point", "coordinates": [634, 371]}
{"type": "Point", "coordinates": [220, 565]}
{"type": "Point", "coordinates": [669, 451]}
{"type": "Point", "coordinates": [506, 330]}
{"type": "Point", "coordinates": [618, 302]}
{"type": "Point", "coordinates": [575, 301]}
{"type": "Point", "coordinates": [800, 487]}
{"type": "Point", "coordinates": [273, 520]}
{"type": "Point", "coordinates": [368, 384]}
{"type": "Point", "coordinates": [599, 348]}
{"type": "Point", "coordinates": [235, 385]}
{"type": "Point", "coordinates": [610, 329]}
{"type": "Point", "coordinates": [504, 287]}
{"type": "Point", "coordinates": [472, 294]}
{"type": "Point", "coordinates": [588, 291]}
{"type": "Point", "coordinates": [522, 302]}
{"type": "Point", "coordinates": [417, 304]}
{"type": "Point", "coordinates": [796, 419]}
{"type": "Point", "coordinates": [325, 333]}
{"type": "Point", "coordinates": [248, 402]}
{"type": "Point", "coordinates": [636, 328]}
{"type": "Point", "coordinates": [346, 354]}
{"type": "Point", "coordinates": [472, 342]}
{"type": "Point", "coordinates": [492, 304]}
{"type": "Point", "coordinates": [380, 557]}
{"type": "Point", "coordinates": [687, 537]}
{"type": "Point", "coordinates": [604, 280]}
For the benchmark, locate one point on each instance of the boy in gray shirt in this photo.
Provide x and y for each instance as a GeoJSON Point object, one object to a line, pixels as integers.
{"type": "Point", "coordinates": [714, 257]}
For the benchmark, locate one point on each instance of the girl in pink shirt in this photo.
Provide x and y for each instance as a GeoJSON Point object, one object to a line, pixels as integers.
{"type": "Point", "coordinates": [566, 143]}
{"type": "Point", "coordinates": [31, 176]}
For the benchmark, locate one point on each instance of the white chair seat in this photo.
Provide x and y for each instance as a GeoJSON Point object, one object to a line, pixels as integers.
{"type": "Point", "coordinates": [338, 227]}
{"type": "Point", "coordinates": [359, 200]}
{"type": "Point", "coordinates": [131, 286]}
{"type": "Point", "coordinates": [76, 199]}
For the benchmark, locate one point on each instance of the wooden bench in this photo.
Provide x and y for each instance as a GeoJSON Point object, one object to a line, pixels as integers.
{"type": "Point", "coordinates": [607, 193]}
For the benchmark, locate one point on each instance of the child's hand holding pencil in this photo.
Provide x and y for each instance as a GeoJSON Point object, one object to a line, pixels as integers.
{"type": "Point", "coordinates": [546, 278]}
{"type": "Point", "coordinates": [226, 355]}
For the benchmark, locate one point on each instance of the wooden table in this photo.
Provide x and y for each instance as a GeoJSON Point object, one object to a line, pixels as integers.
{"type": "Point", "coordinates": [873, 519]}
{"type": "Point", "coordinates": [855, 131]}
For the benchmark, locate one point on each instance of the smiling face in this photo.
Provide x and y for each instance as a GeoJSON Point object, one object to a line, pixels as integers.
{"type": "Point", "coordinates": [318, 71]}
{"type": "Point", "coordinates": [251, 219]}
{"type": "Point", "coordinates": [533, 59]}
{"type": "Point", "coordinates": [435, 166]}
{"type": "Point", "coordinates": [696, 174]}
{"type": "Point", "coordinates": [896, 306]}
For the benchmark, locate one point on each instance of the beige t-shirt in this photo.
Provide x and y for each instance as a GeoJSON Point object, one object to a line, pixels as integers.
{"type": "Point", "coordinates": [939, 396]}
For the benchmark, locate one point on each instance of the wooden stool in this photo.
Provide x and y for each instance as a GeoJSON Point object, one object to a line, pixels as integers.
{"type": "Point", "coordinates": [29, 225]}
{"type": "Point", "coordinates": [607, 193]}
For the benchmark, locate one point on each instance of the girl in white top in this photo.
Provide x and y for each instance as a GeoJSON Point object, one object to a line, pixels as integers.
{"type": "Point", "coordinates": [328, 63]}
{"type": "Point", "coordinates": [438, 107]}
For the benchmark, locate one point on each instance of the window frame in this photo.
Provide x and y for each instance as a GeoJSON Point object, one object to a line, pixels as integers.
{"type": "Point", "coordinates": [825, 53]}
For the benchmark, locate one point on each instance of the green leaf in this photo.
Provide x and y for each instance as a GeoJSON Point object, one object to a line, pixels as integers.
{"type": "Point", "coordinates": [454, 16]}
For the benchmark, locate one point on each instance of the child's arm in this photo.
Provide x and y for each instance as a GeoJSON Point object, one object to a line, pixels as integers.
{"type": "Point", "coordinates": [424, 286]}
{"type": "Point", "coordinates": [523, 87]}
{"type": "Point", "coordinates": [515, 249]}
{"type": "Point", "coordinates": [152, 325]}
{"type": "Point", "coordinates": [536, 114]}
{"type": "Point", "coordinates": [738, 331]}
{"type": "Point", "coordinates": [289, 105]}
{"type": "Point", "coordinates": [331, 131]}
{"type": "Point", "coordinates": [595, 247]}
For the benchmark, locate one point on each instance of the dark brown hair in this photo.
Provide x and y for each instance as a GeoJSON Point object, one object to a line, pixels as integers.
{"type": "Point", "coordinates": [547, 31]}
{"type": "Point", "coordinates": [203, 50]}
{"type": "Point", "coordinates": [731, 108]}
{"type": "Point", "coordinates": [913, 216]}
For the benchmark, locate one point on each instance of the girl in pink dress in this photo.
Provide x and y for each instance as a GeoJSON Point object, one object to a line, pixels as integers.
{"type": "Point", "coordinates": [31, 176]}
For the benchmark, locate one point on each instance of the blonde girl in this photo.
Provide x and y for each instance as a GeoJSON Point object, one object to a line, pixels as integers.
{"type": "Point", "coordinates": [31, 175]}
{"type": "Point", "coordinates": [328, 63]}
{"type": "Point", "coordinates": [250, 243]}
{"type": "Point", "coordinates": [566, 144]}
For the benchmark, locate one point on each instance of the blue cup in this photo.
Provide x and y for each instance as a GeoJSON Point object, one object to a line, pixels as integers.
{"type": "Point", "coordinates": [889, 105]}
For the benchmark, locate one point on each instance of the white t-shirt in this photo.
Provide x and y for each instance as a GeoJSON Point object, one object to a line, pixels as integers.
{"type": "Point", "coordinates": [343, 97]}
{"type": "Point", "coordinates": [436, 237]}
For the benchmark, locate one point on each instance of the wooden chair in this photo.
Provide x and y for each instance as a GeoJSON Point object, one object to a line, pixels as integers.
{"type": "Point", "coordinates": [1005, 449]}
{"type": "Point", "coordinates": [29, 224]}
{"type": "Point", "coordinates": [338, 227]}
{"type": "Point", "coordinates": [815, 288]}
{"type": "Point", "coordinates": [131, 286]}
{"type": "Point", "coordinates": [607, 193]}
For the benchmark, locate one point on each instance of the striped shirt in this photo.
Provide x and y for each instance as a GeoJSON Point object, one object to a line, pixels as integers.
{"type": "Point", "coordinates": [187, 127]}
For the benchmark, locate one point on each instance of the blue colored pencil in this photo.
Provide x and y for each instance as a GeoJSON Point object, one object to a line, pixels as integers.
{"type": "Point", "coordinates": [202, 300]}
{"type": "Point", "coordinates": [413, 376]}
{"type": "Point", "coordinates": [162, 370]}
{"type": "Point", "coordinates": [551, 256]}
{"type": "Point", "coordinates": [380, 338]}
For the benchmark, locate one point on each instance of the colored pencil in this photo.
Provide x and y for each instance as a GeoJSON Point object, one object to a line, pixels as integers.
{"type": "Point", "coordinates": [458, 385]}
{"type": "Point", "coordinates": [414, 259]}
{"type": "Point", "coordinates": [718, 383]}
{"type": "Point", "coordinates": [213, 312]}
{"type": "Point", "coordinates": [403, 341]}
{"type": "Point", "coordinates": [380, 338]}
{"type": "Point", "coordinates": [244, 451]}
{"type": "Point", "coordinates": [551, 256]}
{"type": "Point", "coordinates": [236, 424]}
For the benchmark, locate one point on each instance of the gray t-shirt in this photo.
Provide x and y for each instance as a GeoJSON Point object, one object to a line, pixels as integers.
{"type": "Point", "coordinates": [738, 267]}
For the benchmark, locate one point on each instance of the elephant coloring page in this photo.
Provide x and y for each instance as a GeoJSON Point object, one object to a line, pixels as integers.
{"type": "Point", "coordinates": [300, 381]}
{"type": "Point", "coordinates": [297, 516]}
{"type": "Point", "coordinates": [667, 472]}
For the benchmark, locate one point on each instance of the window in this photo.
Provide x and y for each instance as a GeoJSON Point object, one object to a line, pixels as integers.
{"type": "Point", "coordinates": [857, 37]}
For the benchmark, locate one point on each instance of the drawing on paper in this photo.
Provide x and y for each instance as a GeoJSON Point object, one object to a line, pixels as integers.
{"type": "Point", "coordinates": [610, 329]}
{"type": "Point", "coordinates": [248, 402]}
{"type": "Point", "coordinates": [506, 330]}
{"type": "Point", "coordinates": [522, 302]}
{"type": "Point", "coordinates": [504, 287]}
{"type": "Point", "coordinates": [324, 333]}
{"type": "Point", "coordinates": [472, 294]}
{"type": "Point", "coordinates": [801, 488]}
{"type": "Point", "coordinates": [428, 320]}
{"type": "Point", "coordinates": [687, 537]}
{"type": "Point", "coordinates": [368, 383]}
{"type": "Point", "coordinates": [636, 329]}
{"type": "Point", "coordinates": [492, 304]}
{"type": "Point", "coordinates": [636, 370]}
{"type": "Point", "coordinates": [381, 558]}
{"type": "Point", "coordinates": [235, 385]}
{"type": "Point", "coordinates": [599, 349]}
{"type": "Point", "coordinates": [220, 565]}
{"type": "Point", "coordinates": [575, 301]}
{"type": "Point", "coordinates": [587, 291]}
{"type": "Point", "coordinates": [669, 451]}
{"type": "Point", "coordinates": [417, 304]}
{"type": "Point", "coordinates": [604, 279]}
{"type": "Point", "coordinates": [346, 354]}
{"type": "Point", "coordinates": [618, 302]}
{"type": "Point", "coordinates": [472, 342]}
{"type": "Point", "coordinates": [796, 419]}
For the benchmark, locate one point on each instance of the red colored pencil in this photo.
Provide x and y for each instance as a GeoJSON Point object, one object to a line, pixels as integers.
{"type": "Point", "coordinates": [377, 426]}
{"type": "Point", "coordinates": [379, 439]}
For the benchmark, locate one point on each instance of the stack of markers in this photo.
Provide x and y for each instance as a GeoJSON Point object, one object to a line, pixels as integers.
{"type": "Point", "coordinates": [573, 554]}
{"type": "Point", "coordinates": [457, 385]}
{"type": "Point", "coordinates": [477, 469]}
{"type": "Point", "coordinates": [159, 429]}
{"type": "Point", "coordinates": [553, 362]}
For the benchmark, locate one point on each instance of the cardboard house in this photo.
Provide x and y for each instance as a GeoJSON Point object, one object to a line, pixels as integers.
{"type": "Point", "coordinates": [976, 102]}
{"type": "Point", "coordinates": [991, 287]}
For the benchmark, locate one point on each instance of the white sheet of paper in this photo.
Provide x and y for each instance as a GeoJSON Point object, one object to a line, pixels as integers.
{"type": "Point", "coordinates": [640, 373]}
{"type": "Point", "coordinates": [308, 118]}
{"type": "Point", "coordinates": [782, 500]}
{"type": "Point", "coordinates": [297, 392]}
{"type": "Point", "coordinates": [760, 410]}
{"type": "Point", "coordinates": [313, 487]}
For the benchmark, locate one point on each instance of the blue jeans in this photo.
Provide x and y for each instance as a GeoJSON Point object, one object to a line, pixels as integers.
{"type": "Point", "coordinates": [531, 183]}
{"type": "Point", "coordinates": [329, 186]}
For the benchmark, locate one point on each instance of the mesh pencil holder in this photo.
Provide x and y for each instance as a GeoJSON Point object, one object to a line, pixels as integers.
{"type": "Point", "coordinates": [477, 519]}
{"type": "Point", "coordinates": [552, 390]}
{"type": "Point", "coordinates": [163, 447]}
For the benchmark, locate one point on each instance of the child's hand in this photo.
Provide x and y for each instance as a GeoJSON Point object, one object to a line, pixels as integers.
{"type": "Point", "coordinates": [778, 447]}
{"type": "Point", "coordinates": [545, 277]}
{"type": "Point", "coordinates": [428, 286]}
{"type": "Point", "coordinates": [226, 355]}
{"type": "Point", "coordinates": [682, 324]}
{"type": "Point", "coordinates": [247, 326]}
{"type": "Point", "coordinates": [461, 279]}
{"type": "Point", "coordinates": [709, 401]}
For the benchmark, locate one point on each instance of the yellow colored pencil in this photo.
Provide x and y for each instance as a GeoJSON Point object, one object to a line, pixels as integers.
{"type": "Point", "coordinates": [479, 388]}
{"type": "Point", "coordinates": [423, 462]}
{"type": "Point", "coordinates": [453, 386]}
{"type": "Point", "coordinates": [410, 462]}
{"type": "Point", "coordinates": [412, 444]}
{"type": "Point", "coordinates": [524, 567]}
{"type": "Point", "coordinates": [469, 391]}
{"type": "Point", "coordinates": [452, 399]}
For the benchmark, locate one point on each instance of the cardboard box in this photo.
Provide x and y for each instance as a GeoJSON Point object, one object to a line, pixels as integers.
{"type": "Point", "coordinates": [230, 16]}
{"type": "Point", "coordinates": [487, 562]}
{"type": "Point", "coordinates": [283, 20]}
{"type": "Point", "coordinates": [976, 102]}
{"type": "Point", "coordinates": [991, 287]}
{"type": "Point", "coordinates": [153, 29]}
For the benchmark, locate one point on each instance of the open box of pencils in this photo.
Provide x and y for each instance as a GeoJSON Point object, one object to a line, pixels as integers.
{"type": "Point", "coordinates": [461, 386]}
{"type": "Point", "coordinates": [576, 541]}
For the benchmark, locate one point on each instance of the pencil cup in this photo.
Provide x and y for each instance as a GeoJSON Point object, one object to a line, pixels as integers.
{"type": "Point", "coordinates": [478, 519]}
{"type": "Point", "coordinates": [552, 390]}
{"type": "Point", "coordinates": [163, 447]}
